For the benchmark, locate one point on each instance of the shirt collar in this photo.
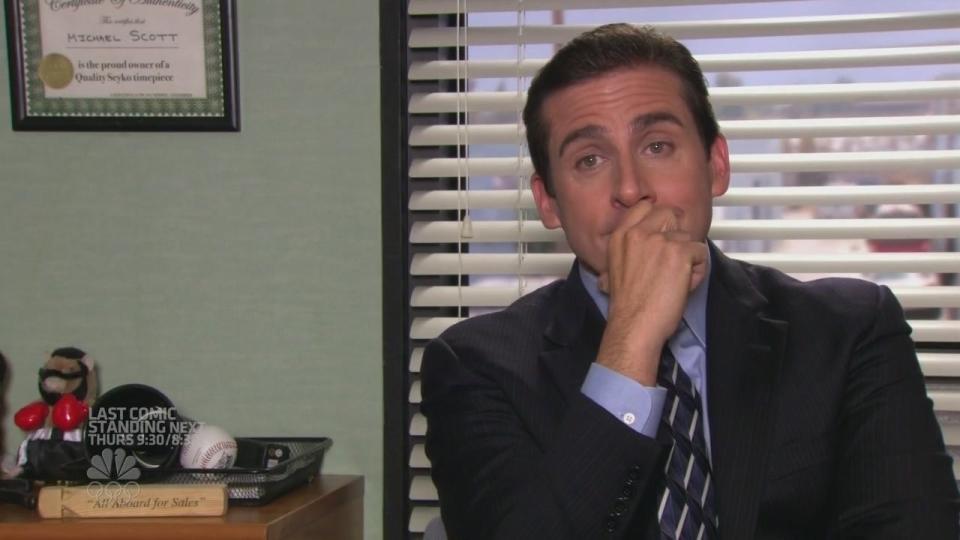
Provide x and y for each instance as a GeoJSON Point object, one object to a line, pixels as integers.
{"type": "Point", "coordinates": [694, 314]}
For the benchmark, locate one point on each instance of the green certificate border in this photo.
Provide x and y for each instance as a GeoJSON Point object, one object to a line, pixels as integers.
{"type": "Point", "coordinates": [32, 110]}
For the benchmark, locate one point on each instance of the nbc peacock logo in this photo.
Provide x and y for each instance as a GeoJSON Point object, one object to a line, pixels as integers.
{"type": "Point", "coordinates": [113, 465]}
{"type": "Point", "coordinates": [120, 472]}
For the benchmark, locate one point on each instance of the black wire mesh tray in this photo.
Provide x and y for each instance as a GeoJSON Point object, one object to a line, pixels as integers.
{"type": "Point", "coordinates": [266, 467]}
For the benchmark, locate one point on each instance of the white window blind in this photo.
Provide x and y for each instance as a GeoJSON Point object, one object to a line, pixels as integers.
{"type": "Point", "coordinates": [844, 126]}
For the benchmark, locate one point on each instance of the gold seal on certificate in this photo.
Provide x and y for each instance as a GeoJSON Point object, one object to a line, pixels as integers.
{"type": "Point", "coordinates": [55, 70]}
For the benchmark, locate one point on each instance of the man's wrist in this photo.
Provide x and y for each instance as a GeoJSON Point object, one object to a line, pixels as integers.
{"type": "Point", "coordinates": [634, 358]}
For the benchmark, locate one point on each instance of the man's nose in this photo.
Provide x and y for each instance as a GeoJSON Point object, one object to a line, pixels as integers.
{"type": "Point", "coordinates": [630, 187]}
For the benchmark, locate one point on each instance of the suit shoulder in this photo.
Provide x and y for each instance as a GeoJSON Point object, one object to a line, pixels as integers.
{"type": "Point", "coordinates": [496, 346]}
{"type": "Point", "coordinates": [842, 296]}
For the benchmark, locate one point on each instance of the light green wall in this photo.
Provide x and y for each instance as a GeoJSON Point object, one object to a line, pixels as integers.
{"type": "Point", "coordinates": [237, 272]}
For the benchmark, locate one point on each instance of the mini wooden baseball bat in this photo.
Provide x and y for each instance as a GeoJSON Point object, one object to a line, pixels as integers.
{"type": "Point", "coordinates": [133, 500]}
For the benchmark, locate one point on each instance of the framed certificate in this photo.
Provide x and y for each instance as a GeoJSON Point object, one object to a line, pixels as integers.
{"type": "Point", "coordinates": [123, 65]}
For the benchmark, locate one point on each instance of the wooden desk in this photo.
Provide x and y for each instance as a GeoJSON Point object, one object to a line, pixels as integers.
{"type": "Point", "coordinates": [329, 508]}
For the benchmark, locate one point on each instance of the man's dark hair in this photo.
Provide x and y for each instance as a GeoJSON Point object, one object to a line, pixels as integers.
{"type": "Point", "coordinates": [603, 50]}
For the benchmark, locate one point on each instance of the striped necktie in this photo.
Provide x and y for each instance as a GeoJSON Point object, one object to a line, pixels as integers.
{"type": "Point", "coordinates": [687, 507]}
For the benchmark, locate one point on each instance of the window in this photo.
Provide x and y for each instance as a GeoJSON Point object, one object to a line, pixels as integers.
{"type": "Point", "coordinates": [844, 127]}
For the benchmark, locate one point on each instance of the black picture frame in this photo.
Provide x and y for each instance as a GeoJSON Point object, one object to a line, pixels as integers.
{"type": "Point", "coordinates": [224, 92]}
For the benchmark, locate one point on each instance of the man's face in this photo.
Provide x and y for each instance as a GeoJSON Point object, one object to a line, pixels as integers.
{"type": "Point", "coordinates": [619, 139]}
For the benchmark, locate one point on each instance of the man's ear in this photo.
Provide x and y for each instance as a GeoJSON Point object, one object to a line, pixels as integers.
{"type": "Point", "coordinates": [719, 166]}
{"type": "Point", "coordinates": [546, 203]}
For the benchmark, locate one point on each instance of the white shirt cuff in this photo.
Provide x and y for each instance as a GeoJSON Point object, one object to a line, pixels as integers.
{"type": "Point", "coordinates": [634, 404]}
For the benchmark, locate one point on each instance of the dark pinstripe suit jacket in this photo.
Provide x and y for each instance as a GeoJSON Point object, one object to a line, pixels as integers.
{"type": "Point", "coordinates": [819, 420]}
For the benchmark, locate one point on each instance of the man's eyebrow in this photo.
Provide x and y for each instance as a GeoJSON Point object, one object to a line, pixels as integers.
{"type": "Point", "coordinates": [646, 120]}
{"type": "Point", "coordinates": [639, 123]}
{"type": "Point", "coordinates": [586, 132]}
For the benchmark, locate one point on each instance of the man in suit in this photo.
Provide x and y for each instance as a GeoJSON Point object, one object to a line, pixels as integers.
{"type": "Point", "coordinates": [785, 410]}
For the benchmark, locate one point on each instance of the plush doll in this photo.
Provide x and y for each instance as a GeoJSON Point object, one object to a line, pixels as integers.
{"type": "Point", "coordinates": [68, 385]}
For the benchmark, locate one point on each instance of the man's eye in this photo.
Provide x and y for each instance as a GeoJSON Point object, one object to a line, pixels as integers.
{"type": "Point", "coordinates": [657, 147]}
{"type": "Point", "coordinates": [588, 162]}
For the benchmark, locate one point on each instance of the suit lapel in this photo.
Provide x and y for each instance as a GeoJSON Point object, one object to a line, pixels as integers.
{"type": "Point", "coordinates": [572, 337]}
{"type": "Point", "coordinates": [744, 348]}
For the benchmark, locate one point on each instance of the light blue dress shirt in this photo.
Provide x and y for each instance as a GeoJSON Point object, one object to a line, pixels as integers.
{"type": "Point", "coordinates": [640, 406]}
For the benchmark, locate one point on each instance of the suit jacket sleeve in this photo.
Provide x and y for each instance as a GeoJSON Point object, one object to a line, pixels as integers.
{"type": "Point", "coordinates": [511, 463]}
{"type": "Point", "coordinates": [893, 478]}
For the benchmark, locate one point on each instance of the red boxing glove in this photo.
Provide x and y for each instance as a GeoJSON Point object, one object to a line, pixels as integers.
{"type": "Point", "coordinates": [31, 416]}
{"type": "Point", "coordinates": [69, 412]}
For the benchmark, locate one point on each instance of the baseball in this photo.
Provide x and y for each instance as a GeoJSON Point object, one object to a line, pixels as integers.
{"type": "Point", "coordinates": [208, 447]}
